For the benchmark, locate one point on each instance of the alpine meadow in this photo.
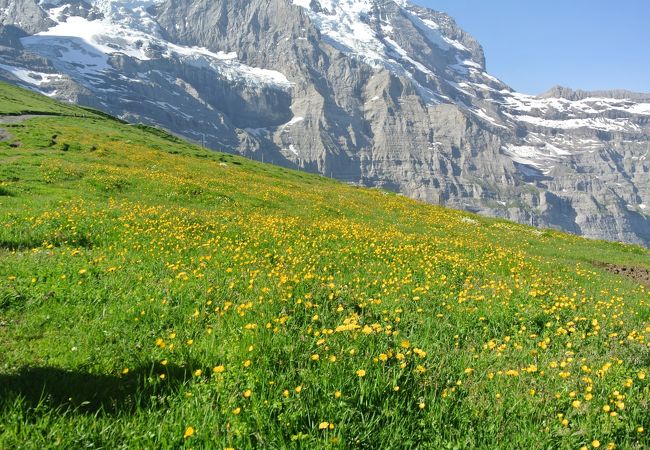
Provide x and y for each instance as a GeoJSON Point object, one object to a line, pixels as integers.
{"type": "Point", "coordinates": [154, 294]}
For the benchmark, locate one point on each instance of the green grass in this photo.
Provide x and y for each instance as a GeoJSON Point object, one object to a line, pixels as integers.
{"type": "Point", "coordinates": [134, 267]}
{"type": "Point", "coordinates": [14, 101]}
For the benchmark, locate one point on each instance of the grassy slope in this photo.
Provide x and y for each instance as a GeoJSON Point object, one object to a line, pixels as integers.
{"type": "Point", "coordinates": [15, 102]}
{"type": "Point", "coordinates": [135, 267]}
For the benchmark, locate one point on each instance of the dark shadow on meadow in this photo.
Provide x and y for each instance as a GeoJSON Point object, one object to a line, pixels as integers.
{"type": "Point", "coordinates": [90, 393]}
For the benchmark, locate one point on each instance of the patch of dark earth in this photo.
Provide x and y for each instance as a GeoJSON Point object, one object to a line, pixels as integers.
{"type": "Point", "coordinates": [638, 274]}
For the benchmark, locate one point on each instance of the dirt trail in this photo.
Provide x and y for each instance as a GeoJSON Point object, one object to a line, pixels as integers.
{"type": "Point", "coordinates": [8, 120]}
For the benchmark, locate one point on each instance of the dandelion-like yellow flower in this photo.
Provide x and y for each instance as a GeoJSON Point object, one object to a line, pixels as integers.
{"type": "Point", "coordinates": [219, 369]}
{"type": "Point", "coordinates": [361, 373]}
{"type": "Point", "coordinates": [189, 432]}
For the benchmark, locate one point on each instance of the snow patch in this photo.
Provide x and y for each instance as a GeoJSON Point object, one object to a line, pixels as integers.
{"type": "Point", "coordinates": [542, 157]}
{"type": "Point", "coordinates": [599, 123]}
{"type": "Point", "coordinates": [293, 121]}
{"type": "Point", "coordinates": [345, 24]}
{"type": "Point", "coordinates": [84, 46]}
{"type": "Point", "coordinates": [30, 76]}
{"type": "Point", "coordinates": [483, 115]}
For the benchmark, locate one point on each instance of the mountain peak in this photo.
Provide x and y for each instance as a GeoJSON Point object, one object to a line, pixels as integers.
{"type": "Point", "coordinates": [377, 31]}
{"type": "Point", "coordinates": [575, 95]}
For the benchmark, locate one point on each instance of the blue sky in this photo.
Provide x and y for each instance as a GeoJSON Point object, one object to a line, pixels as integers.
{"type": "Point", "coordinates": [533, 45]}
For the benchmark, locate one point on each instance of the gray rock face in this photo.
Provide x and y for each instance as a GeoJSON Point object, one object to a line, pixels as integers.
{"type": "Point", "coordinates": [26, 15]}
{"type": "Point", "coordinates": [379, 93]}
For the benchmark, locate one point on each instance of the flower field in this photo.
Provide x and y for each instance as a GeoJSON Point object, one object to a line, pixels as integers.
{"type": "Point", "coordinates": [155, 295]}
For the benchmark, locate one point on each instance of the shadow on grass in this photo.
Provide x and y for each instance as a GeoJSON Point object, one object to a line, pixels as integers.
{"type": "Point", "coordinates": [34, 242]}
{"type": "Point", "coordinates": [16, 245]}
{"type": "Point", "coordinates": [89, 393]}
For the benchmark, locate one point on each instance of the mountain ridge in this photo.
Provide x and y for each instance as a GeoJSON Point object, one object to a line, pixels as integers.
{"type": "Point", "coordinates": [376, 93]}
{"type": "Point", "coordinates": [581, 94]}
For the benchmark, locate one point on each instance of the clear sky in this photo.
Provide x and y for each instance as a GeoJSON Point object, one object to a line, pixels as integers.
{"type": "Point", "coordinates": [533, 45]}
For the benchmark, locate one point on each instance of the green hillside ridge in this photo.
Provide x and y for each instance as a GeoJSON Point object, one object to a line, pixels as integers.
{"type": "Point", "coordinates": [157, 295]}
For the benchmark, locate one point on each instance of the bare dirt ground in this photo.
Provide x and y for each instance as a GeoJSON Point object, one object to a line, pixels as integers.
{"type": "Point", "coordinates": [638, 274]}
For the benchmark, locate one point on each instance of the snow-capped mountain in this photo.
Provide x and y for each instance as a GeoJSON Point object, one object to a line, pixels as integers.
{"type": "Point", "coordinates": [376, 92]}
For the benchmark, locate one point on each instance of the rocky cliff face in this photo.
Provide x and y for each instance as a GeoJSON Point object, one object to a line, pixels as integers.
{"type": "Point", "coordinates": [375, 92]}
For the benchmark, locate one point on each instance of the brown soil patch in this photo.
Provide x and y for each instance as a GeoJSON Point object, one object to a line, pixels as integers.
{"type": "Point", "coordinates": [638, 274]}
